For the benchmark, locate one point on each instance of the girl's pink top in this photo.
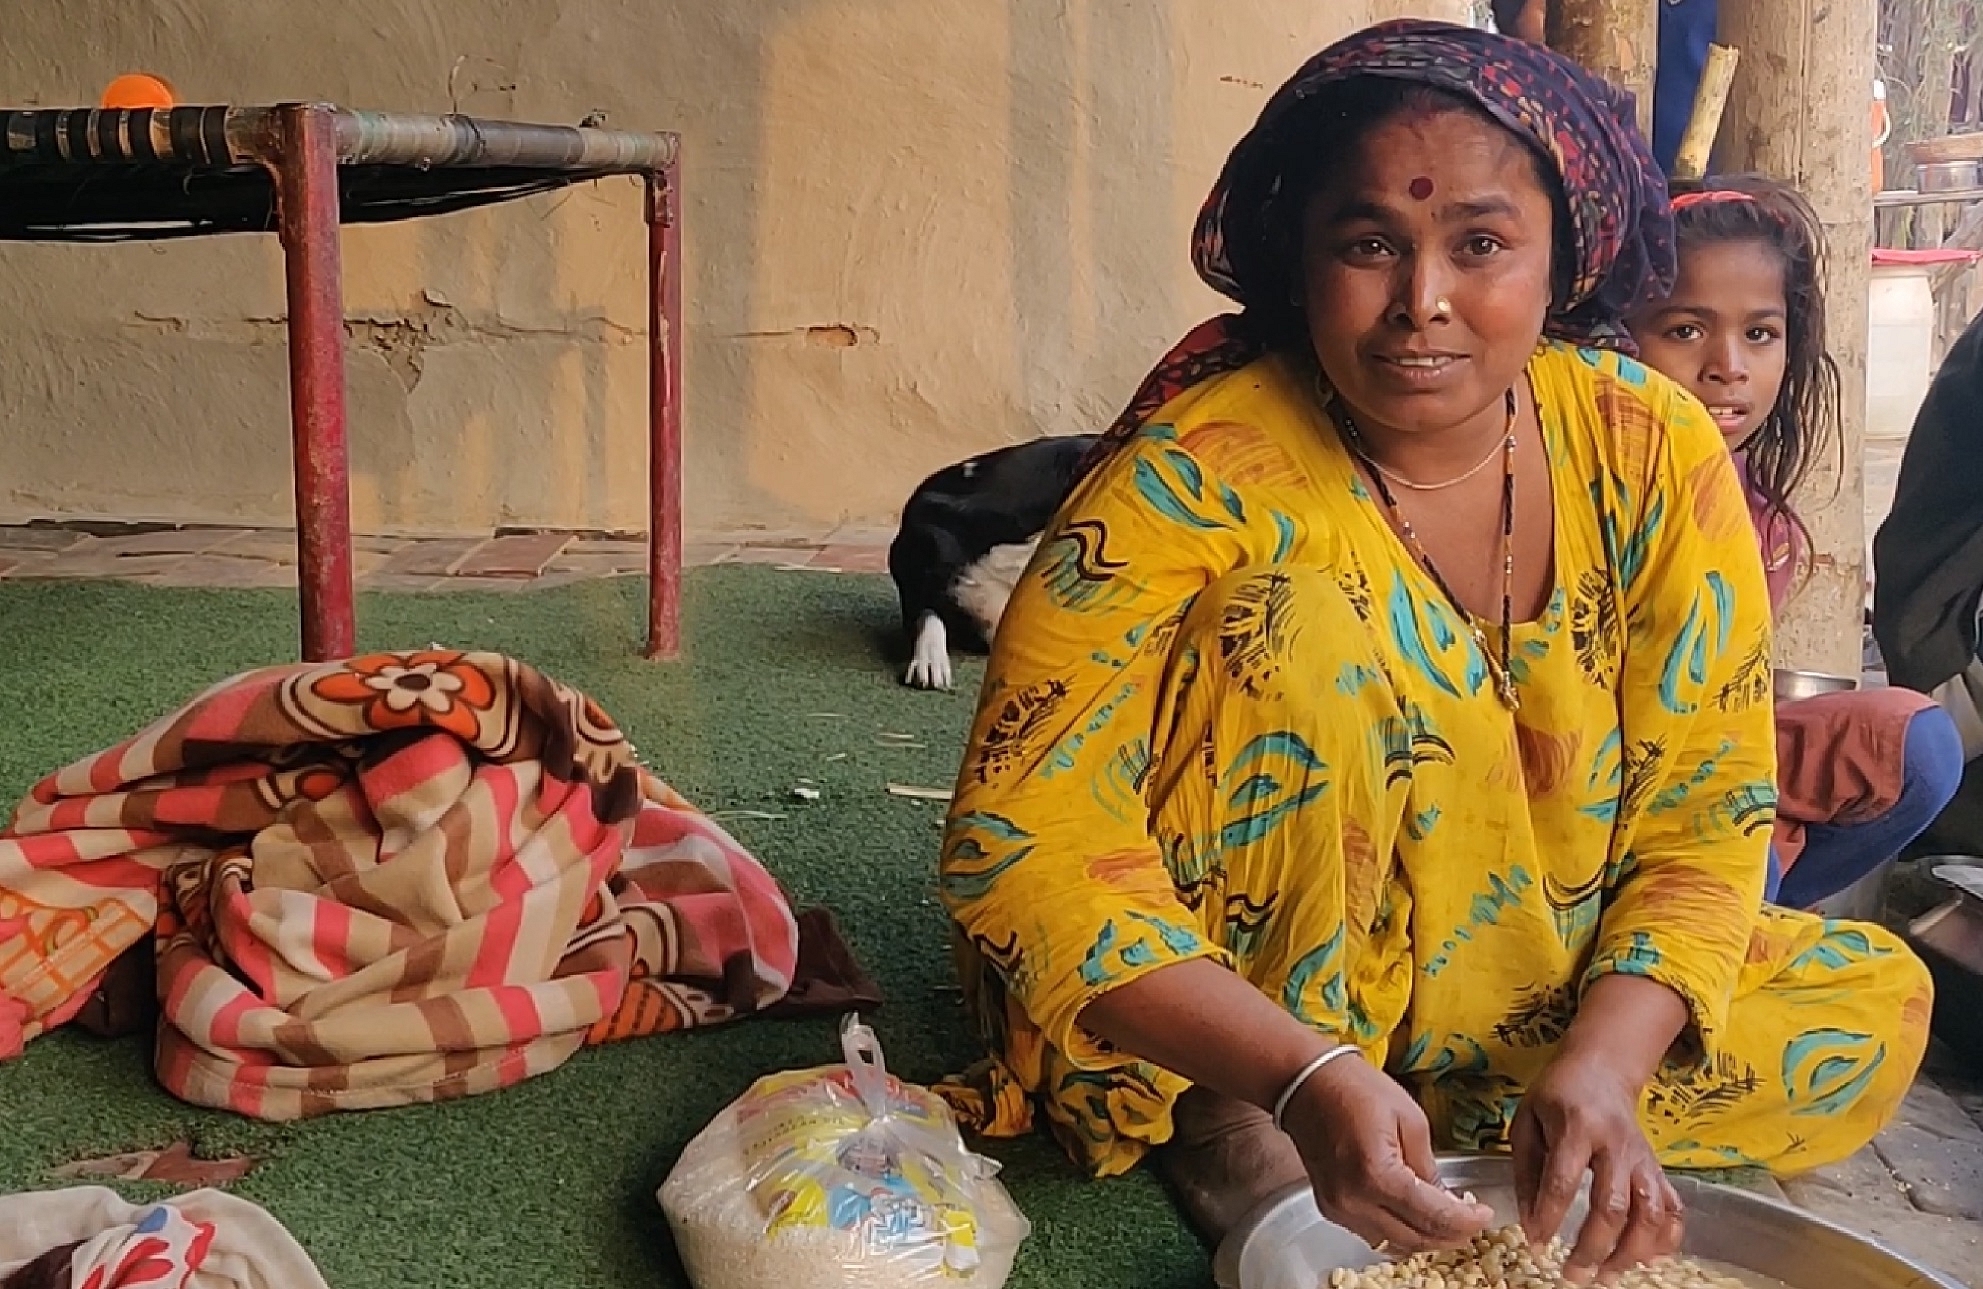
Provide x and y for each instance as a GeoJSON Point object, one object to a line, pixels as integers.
{"type": "Point", "coordinates": [1781, 542]}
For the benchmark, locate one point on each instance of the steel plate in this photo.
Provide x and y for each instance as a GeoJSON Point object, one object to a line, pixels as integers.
{"type": "Point", "coordinates": [1287, 1244]}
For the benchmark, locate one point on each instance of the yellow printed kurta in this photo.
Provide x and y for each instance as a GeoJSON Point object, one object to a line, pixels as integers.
{"type": "Point", "coordinates": [1228, 716]}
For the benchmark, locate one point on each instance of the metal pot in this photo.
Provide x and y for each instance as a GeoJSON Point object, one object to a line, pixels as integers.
{"type": "Point", "coordinates": [1792, 685]}
{"type": "Point", "coordinates": [1286, 1243]}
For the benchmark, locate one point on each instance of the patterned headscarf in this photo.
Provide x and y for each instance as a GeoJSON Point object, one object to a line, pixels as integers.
{"type": "Point", "coordinates": [1620, 236]}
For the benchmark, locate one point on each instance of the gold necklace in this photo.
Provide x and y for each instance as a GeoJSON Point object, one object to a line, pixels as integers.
{"type": "Point", "coordinates": [1504, 671]}
{"type": "Point", "coordinates": [1441, 486]}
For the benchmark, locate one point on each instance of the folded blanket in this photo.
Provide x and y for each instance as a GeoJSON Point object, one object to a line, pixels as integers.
{"type": "Point", "coordinates": [404, 877]}
{"type": "Point", "coordinates": [88, 1237]}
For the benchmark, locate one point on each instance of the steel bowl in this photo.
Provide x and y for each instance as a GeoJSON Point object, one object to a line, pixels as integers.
{"type": "Point", "coordinates": [1946, 176]}
{"type": "Point", "coordinates": [1790, 686]}
{"type": "Point", "coordinates": [1286, 1244]}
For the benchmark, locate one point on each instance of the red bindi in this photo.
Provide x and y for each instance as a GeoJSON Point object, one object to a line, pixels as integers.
{"type": "Point", "coordinates": [1420, 189]}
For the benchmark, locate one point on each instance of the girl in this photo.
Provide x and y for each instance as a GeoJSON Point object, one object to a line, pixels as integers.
{"type": "Point", "coordinates": [1860, 774]}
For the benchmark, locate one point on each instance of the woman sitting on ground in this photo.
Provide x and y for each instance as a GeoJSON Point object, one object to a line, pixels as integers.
{"type": "Point", "coordinates": [1396, 688]}
{"type": "Point", "coordinates": [1861, 774]}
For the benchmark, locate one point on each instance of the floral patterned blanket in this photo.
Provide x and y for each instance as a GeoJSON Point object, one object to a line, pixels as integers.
{"type": "Point", "coordinates": [399, 878]}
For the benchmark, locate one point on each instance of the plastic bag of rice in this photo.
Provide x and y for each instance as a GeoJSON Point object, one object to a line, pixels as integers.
{"type": "Point", "coordinates": [840, 1176]}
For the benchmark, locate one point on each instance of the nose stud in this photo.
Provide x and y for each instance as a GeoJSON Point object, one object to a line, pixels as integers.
{"type": "Point", "coordinates": [1442, 305]}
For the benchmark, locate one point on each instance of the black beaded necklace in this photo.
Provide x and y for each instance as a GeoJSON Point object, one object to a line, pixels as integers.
{"type": "Point", "coordinates": [1504, 677]}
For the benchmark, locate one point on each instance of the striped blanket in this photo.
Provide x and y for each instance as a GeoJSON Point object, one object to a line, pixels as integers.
{"type": "Point", "coordinates": [399, 878]}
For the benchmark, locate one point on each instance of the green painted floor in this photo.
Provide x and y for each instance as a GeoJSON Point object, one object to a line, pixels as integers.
{"type": "Point", "coordinates": [552, 1183]}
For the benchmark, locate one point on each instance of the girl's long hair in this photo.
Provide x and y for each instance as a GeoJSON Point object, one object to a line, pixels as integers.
{"type": "Point", "coordinates": [1805, 416]}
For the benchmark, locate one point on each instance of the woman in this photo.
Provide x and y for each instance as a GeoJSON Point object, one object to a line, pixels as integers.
{"type": "Point", "coordinates": [1859, 774]}
{"type": "Point", "coordinates": [1397, 688]}
{"type": "Point", "coordinates": [1928, 574]}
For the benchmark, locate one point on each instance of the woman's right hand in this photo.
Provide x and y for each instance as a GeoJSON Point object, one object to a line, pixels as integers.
{"type": "Point", "coordinates": [1368, 1149]}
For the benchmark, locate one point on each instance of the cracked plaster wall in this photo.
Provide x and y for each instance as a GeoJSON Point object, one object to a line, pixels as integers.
{"type": "Point", "coordinates": [915, 229]}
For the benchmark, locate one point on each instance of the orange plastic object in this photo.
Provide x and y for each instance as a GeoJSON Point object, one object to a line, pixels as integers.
{"type": "Point", "coordinates": [138, 89]}
{"type": "Point", "coordinates": [1882, 128]}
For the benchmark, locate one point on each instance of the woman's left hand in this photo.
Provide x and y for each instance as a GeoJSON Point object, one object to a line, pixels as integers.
{"type": "Point", "coordinates": [1582, 1116]}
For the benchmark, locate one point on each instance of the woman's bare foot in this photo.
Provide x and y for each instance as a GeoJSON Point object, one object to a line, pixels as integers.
{"type": "Point", "coordinates": [1223, 1159]}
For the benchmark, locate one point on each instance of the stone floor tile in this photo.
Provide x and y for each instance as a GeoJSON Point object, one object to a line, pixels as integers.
{"type": "Point", "coordinates": [224, 571]}
{"type": "Point", "coordinates": [548, 580]}
{"type": "Point", "coordinates": [586, 563]}
{"type": "Point", "coordinates": [432, 558]}
{"type": "Point", "coordinates": [522, 555]}
{"type": "Point", "coordinates": [608, 546]}
{"type": "Point", "coordinates": [509, 585]}
{"type": "Point", "coordinates": [786, 540]}
{"type": "Point", "coordinates": [860, 535]}
{"type": "Point", "coordinates": [19, 562]}
{"type": "Point", "coordinates": [704, 554]}
{"type": "Point", "coordinates": [172, 541]}
{"type": "Point", "coordinates": [89, 559]}
{"type": "Point", "coordinates": [1935, 1152]}
{"type": "Point", "coordinates": [270, 545]}
{"type": "Point", "coordinates": [755, 554]}
{"type": "Point", "coordinates": [1864, 1196]}
{"type": "Point", "coordinates": [38, 537]}
{"type": "Point", "coordinates": [401, 583]}
{"type": "Point", "coordinates": [852, 558]}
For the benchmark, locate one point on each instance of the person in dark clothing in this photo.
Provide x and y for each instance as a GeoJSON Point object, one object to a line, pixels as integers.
{"type": "Point", "coordinates": [1686, 27]}
{"type": "Point", "coordinates": [1928, 573]}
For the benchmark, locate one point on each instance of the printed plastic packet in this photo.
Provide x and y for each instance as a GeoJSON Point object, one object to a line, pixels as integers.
{"type": "Point", "coordinates": [840, 1176]}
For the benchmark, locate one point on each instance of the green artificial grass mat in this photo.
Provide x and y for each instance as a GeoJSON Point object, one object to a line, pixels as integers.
{"type": "Point", "coordinates": [552, 1183]}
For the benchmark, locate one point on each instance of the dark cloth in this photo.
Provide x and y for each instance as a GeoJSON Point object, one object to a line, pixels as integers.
{"type": "Point", "coordinates": [1620, 239]}
{"type": "Point", "coordinates": [1686, 29]}
{"type": "Point", "coordinates": [1928, 562]}
{"type": "Point", "coordinates": [1928, 555]}
{"type": "Point", "coordinates": [828, 980]}
{"type": "Point", "coordinates": [54, 1269]}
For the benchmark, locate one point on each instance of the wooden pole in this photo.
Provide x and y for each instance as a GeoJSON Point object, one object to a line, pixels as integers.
{"type": "Point", "coordinates": [664, 412]}
{"type": "Point", "coordinates": [307, 205]}
{"type": "Point", "coordinates": [1617, 39]}
{"type": "Point", "coordinates": [1697, 144]}
{"type": "Point", "coordinates": [1801, 112]}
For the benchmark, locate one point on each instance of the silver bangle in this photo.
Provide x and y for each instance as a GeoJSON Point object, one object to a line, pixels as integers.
{"type": "Point", "coordinates": [1308, 1072]}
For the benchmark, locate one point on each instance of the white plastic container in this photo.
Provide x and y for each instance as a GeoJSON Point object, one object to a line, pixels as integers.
{"type": "Point", "coordinates": [1900, 347]}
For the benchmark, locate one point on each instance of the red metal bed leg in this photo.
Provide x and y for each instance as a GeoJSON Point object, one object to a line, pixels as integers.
{"type": "Point", "coordinates": [307, 204]}
{"type": "Point", "coordinates": [664, 412]}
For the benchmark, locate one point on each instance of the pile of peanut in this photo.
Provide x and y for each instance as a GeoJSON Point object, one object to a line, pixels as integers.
{"type": "Point", "coordinates": [1505, 1259]}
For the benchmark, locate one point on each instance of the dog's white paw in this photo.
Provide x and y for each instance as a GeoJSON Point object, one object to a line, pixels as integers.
{"type": "Point", "coordinates": [929, 660]}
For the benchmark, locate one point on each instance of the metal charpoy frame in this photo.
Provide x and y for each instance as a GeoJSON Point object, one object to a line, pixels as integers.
{"type": "Point", "coordinates": [302, 146]}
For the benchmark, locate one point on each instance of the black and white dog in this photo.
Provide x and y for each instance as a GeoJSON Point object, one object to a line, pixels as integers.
{"type": "Point", "coordinates": [966, 535]}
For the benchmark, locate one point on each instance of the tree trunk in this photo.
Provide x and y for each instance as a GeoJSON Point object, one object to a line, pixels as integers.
{"type": "Point", "coordinates": [1617, 39]}
{"type": "Point", "coordinates": [1801, 112]}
